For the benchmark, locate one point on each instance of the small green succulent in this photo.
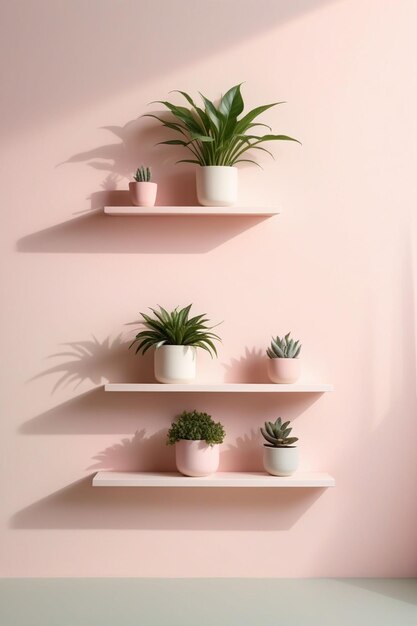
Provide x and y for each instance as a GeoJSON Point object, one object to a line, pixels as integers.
{"type": "Point", "coordinates": [196, 426]}
{"type": "Point", "coordinates": [175, 328]}
{"type": "Point", "coordinates": [277, 434]}
{"type": "Point", "coordinates": [143, 174]}
{"type": "Point", "coordinates": [284, 348]}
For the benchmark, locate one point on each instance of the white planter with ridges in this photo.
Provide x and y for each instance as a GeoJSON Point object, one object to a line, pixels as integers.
{"type": "Point", "coordinates": [217, 185]}
{"type": "Point", "coordinates": [175, 364]}
{"type": "Point", "coordinates": [280, 461]}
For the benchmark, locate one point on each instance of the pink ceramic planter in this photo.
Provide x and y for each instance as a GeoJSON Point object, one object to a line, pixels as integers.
{"type": "Point", "coordinates": [196, 458]}
{"type": "Point", "coordinates": [284, 370]}
{"type": "Point", "coordinates": [143, 194]}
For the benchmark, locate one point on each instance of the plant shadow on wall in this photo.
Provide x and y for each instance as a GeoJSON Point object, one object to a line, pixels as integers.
{"type": "Point", "coordinates": [93, 231]}
{"type": "Point", "coordinates": [80, 506]}
{"type": "Point", "coordinates": [137, 453]}
{"type": "Point", "coordinates": [249, 368]}
{"type": "Point", "coordinates": [150, 454]}
{"type": "Point", "coordinates": [96, 361]}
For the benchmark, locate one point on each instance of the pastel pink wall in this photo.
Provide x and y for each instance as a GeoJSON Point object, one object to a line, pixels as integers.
{"type": "Point", "coordinates": [337, 268]}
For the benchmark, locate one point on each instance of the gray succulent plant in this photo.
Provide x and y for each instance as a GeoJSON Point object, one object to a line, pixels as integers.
{"type": "Point", "coordinates": [277, 434]}
{"type": "Point", "coordinates": [285, 348]}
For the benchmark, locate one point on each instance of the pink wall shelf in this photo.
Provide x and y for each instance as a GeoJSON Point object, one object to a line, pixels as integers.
{"type": "Point", "coordinates": [220, 479]}
{"type": "Point", "coordinates": [219, 388]}
{"type": "Point", "coordinates": [189, 210]}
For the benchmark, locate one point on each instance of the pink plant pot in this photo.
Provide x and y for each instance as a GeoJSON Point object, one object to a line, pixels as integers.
{"type": "Point", "coordinates": [143, 194]}
{"type": "Point", "coordinates": [196, 458]}
{"type": "Point", "coordinates": [284, 370]}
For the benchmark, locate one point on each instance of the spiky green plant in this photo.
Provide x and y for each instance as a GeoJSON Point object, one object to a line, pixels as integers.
{"type": "Point", "coordinates": [143, 174]}
{"type": "Point", "coordinates": [277, 434]}
{"type": "Point", "coordinates": [196, 426]}
{"type": "Point", "coordinates": [215, 135]}
{"type": "Point", "coordinates": [175, 328]}
{"type": "Point", "coordinates": [285, 348]}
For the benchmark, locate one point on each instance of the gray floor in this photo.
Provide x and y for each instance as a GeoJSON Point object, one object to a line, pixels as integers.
{"type": "Point", "coordinates": [208, 602]}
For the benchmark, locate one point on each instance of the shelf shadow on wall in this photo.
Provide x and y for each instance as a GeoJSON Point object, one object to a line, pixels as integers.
{"type": "Point", "coordinates": [98, 232]}
{"type": "Point", "coordinates": [80, 506]}
{"type": "Point", "coordinates": [100, 412]}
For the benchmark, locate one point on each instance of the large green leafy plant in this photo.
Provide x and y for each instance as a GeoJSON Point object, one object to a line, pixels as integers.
{"type": "Point", "coordinates": [216, 135]}
{"type": "Point", "coordinates": [175, 328]}
{"type": "Point", "coordinates": [196, 426]}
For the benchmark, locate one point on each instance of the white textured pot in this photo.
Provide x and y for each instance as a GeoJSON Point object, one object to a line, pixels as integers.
{"type": "Point", "coordinates": [175, 364]}
{"type": "Point", "coordinates": [196, 458]}
{"type": "Point", "coordinates": [280, 461]}
{"type": "Point", "coordinates": [284, 370]}
{"type": "Point", "coordinates": [217, 185]}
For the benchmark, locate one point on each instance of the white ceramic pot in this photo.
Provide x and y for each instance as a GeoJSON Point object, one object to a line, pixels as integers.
{"type": "Point", "coordinates": [280, 461]}
{"type": "Point", "coordinates": [284, 370]}
{"type": "Point", "coordinates": [175, 364]}
{"type": "Point", "coordinates": [217, 185]}
{"type": "Point", "coordinates": [196, 458]}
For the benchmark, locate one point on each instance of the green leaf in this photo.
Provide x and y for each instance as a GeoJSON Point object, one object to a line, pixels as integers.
{"type": "Point", "coordinates": [277, 138]}
{"type": "Point", "coordinates": [249, 117]}
{"type": "Point", "coordinates": [172, 125]}
{"type": "Point", "coordinates": [247, 161]}
{"type": "Point", "coordinates": [291, 440]}
{"type": "Point", "coordinates": [201, 137]}
{"type": "Point", "coordinates": [268, 437]}
{"type": "Point", "coordinates": [172, 142]}
{"type": "Point", "coordinates": [214, 116]}
{"type": "Point", "coordinates": [231, 104]}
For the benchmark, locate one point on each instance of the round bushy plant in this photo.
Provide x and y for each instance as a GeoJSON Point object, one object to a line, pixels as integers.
{"type": "Point", "coordinates": [196, 426]}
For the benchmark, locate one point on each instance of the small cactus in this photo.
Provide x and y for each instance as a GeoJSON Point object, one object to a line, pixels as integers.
{"type": "Point", "coordinates": [276, 433]}
{"type": "Point", "coordinates": [143, 174]}
{"type": "Point", "coordinates": [284, 348]}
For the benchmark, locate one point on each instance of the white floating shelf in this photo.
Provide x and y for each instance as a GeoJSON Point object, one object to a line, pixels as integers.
{"type": "Point", "coordinates": [219, 388]}
{"type": "Point", "coordinates": [189, 210]}
{"type": "Point", "coordinates": [220, 479]}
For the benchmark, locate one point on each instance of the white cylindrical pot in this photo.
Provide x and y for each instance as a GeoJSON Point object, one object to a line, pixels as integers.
{"type": "Point", "coordinates": [175, 364]}
{"type": "Point", "coordinates": [284, 370]}
{"type": "Point", "coordinates": [196, 458]}
{"type": "Point", "coordinates": [280, 461]}
{"type": "Point", "coordinates": [217, 185]}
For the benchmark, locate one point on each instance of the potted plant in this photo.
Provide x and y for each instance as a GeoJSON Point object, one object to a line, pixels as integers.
{"type": "Point", "coordinates": [280, 455]}
{"type": "Point", "coordinates": [283, 362]}
{"type": "Point", "coordinates": [142, 190]}
{"type": "Point", "coordinates": [196, 437]}
{"type": "Point", "coordinates": [175, 337]}
{"type": "Point", "coordinates": [217, 139]}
